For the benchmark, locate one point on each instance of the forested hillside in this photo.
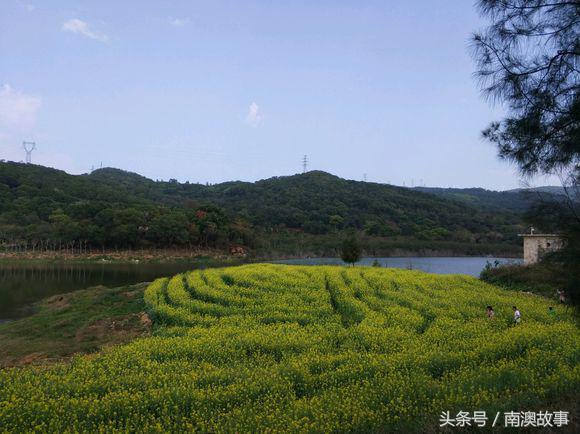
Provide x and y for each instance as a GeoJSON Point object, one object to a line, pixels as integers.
{"type": "Point", "coordinates": [44, 208]}
{"type": "Point", "coordinates": [518, 200]}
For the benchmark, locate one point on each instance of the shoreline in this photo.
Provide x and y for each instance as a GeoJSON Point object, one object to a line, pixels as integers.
{"type": "Point", "coordinates": [119, 257]}
{"type": "Point", "coordinates": [79, 322]}
{"type": "Point", "coordinates": [165, 256]}
{"type": "Point", "coordinates": [410, 255]}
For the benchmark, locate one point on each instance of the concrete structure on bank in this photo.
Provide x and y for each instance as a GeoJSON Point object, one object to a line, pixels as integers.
{"type": "Point", "coordinates": [537, 245]}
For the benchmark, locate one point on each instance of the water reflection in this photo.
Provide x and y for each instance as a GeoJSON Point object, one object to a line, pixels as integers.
{"type": "Point", "coordinates": [24, 283]}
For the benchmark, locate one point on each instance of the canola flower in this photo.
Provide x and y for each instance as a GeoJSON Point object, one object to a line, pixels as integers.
{"type": "Point", "coordinates": [277, 348]}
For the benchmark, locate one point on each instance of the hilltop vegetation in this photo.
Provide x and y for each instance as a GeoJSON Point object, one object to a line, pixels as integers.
{"type": "Point", "coordinates": [308, 349]}
{"type": "Point", "coordinates": [42, 208]}
{"type": "Point", "coordinates": [516, 201]}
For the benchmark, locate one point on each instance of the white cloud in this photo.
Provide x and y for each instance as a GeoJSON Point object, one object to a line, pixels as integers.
{"type": "Point", "coordinates": [81, 27]}
{"type": "Point", "coordinates": [17, 110]}
{"type": "Point", "coordinates": [254, 116]}
{"type": "Point", "coordinates": [178, 22]}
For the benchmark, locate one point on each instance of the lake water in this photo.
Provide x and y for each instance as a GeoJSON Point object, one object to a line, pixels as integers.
{"type": "Point", "coordinates": [22, 283]}
{"type": "Point", "coordinates": [471, 266]}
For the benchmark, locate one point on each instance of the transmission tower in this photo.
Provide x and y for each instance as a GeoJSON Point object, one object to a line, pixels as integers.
{"type": "Point", "coordinates": [29, 147]}
{"type": "Point", "coordinates": [305, 164]}
{"type": "Point", "coordinates": [365, 177]}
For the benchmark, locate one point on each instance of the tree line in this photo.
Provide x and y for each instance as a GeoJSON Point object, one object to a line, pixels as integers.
{"type": "Point", "coordinates": [47, 209]}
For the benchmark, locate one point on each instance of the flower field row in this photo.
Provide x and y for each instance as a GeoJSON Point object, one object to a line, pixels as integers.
{"type": "Point", "coordinates": [307, 349]}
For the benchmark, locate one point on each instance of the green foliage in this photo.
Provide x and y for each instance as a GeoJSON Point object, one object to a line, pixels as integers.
{"type": "Point", "coordinates": [272, 348]}
{"type": "Point", "coordinates": [544, 278]}
{"type": "Point", "coordinates": [563, 218]}
{"type": "Point", "coordinates": [350, 250]}
{"type": "Point", "coordinates": [527, 59]}
{"type": "Point", "coordinates": [110, 208]}
{"type": "Point", "coordinates": [567, 260]}
{"type": "Point", "coordinates": [516, 201]}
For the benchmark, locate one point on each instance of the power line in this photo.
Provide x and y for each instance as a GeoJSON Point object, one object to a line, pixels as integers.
{"type": "Point", "coordinates": [29, 147]}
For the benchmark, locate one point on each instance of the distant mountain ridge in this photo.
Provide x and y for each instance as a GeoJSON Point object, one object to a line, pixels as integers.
{"type": "Point", "coordinates": [516, 200]}
{"type": "Point", "coordinates": [111, 207]}
{"type": "Point", "coordinates": [290, 200]}
{"type": "Point", "coordinates": [551, 189]}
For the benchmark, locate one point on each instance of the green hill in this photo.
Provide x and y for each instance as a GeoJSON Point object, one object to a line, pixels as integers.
{"type": "Point", "coordinates": [518, 201]}
{"type": "Point", "coordinates": [46, 208]}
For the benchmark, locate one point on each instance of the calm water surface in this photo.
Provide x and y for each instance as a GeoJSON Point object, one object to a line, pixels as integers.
{"type": "Point", "coordinates": [21, 283]}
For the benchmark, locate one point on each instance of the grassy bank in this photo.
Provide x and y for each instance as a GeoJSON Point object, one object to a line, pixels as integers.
{"type": "Point", "coordinates": [79, 322]}
{"type": "Point", "coordinates": [543, 278]}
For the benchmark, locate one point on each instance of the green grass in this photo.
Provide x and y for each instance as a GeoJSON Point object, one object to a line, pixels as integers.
{"type": "Point", "coordinates": [308, 349]}
{"type": "Point", "coordinates": [544, 278]}
{"type": "Point", "coordinates": [78, 322]}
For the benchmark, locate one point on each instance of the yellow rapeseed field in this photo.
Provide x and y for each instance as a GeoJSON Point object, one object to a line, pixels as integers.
{"type": "Point", "coordinates": [307, 349]}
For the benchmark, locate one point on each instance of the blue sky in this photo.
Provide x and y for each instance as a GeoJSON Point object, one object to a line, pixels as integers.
{"type": "Point", "coordinates": [209, 91]}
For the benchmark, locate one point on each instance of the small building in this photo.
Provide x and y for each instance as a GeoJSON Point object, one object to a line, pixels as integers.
{"type": "Point", "coordinates": [537, 245]}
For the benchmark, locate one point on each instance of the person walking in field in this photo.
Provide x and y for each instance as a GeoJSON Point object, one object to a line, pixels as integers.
{"type": "Point", "coordinates": [517, 315]}
{"type": "Point", "coordinates": [489, 311]}
{"type": "Point", "coordinates": [562, 297]}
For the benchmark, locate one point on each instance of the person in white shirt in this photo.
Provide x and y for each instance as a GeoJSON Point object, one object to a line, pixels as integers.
{"type": "Point", "coordinates": [517, 315]}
